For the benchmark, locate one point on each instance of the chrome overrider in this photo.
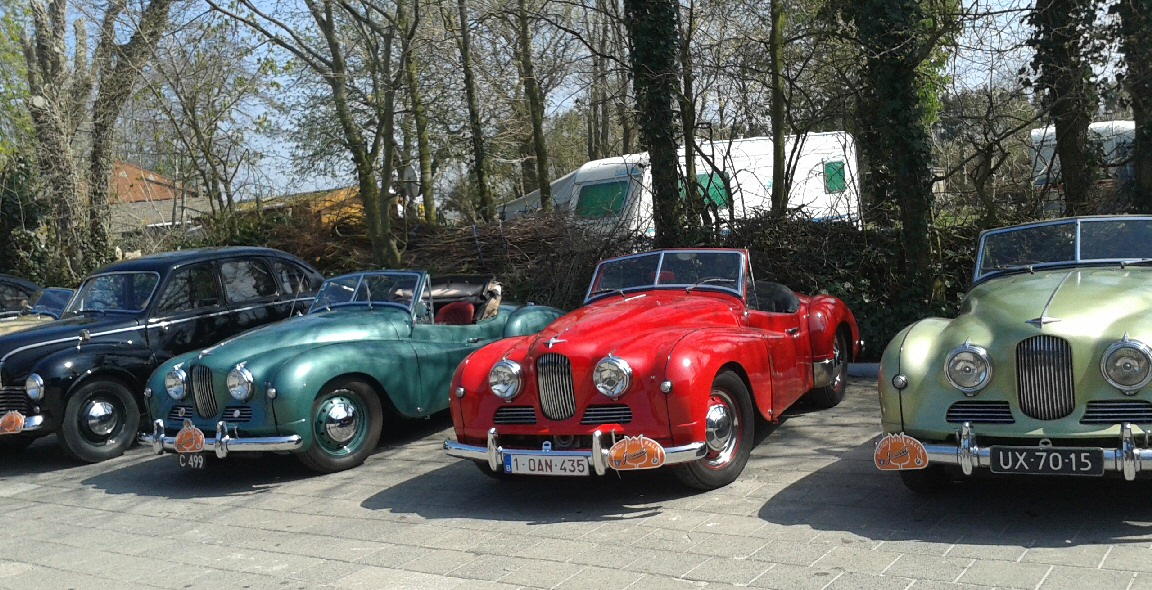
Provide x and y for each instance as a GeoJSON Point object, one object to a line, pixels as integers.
{"type": "Point", "coordinates": [1127, 458]}
{"type": "Point", "coordinates": [223, 443]}
{"type": "Point", "coordinates": [597, 456]}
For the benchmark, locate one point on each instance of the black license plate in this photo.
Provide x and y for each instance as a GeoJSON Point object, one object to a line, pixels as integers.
{"type": "Point", "coordinates": [1047, 460]}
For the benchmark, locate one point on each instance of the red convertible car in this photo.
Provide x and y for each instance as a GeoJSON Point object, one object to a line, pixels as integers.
{"type": "Point", "coordinates": [667, 363]}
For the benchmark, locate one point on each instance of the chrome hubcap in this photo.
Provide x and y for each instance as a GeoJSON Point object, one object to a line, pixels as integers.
{"type": "Point", "coordinates": [719, 427]}
{"type": "Point", "coordinates": [100, 416]}
{"type": "Point", "coordinates": [340, 421]}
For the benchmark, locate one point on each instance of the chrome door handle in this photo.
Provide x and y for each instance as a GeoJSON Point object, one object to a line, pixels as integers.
{"type": "Point", "coordinates": [792, 331]}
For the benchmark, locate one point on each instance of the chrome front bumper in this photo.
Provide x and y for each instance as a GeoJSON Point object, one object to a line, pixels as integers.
{"type": "Point", "coordinates": [223, 444]}
{"type": "Point", "coordinates": [31, 424]}
{"type": "Point", "coordinates": [1127, 458]}
{"type": "Point", "coordinates": [597, 456]}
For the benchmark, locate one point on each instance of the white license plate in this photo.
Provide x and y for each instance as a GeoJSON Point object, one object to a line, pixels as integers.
{"type": "Point", "coordinates": [537, 465]}
{"type": "Point", "coordinates": [191, 460]}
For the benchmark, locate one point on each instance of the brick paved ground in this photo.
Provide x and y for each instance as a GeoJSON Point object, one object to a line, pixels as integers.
{"type": "Point", "coordinates": [810, 512]}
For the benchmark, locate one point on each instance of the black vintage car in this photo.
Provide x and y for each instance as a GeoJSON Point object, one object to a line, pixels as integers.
{"type": "Point", "coordinates": [83, 375]}
{"type": "Point", "coordinates": [14, 292]}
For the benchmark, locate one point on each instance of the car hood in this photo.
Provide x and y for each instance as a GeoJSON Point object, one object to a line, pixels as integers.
{"type": "Point", "coordinates": [1082, 302]}
{"type": "Point", "coordinates": [22, 322]}
{"type": "Point", "coordinates": [19, 349]}
{"type": "Point", "coordinates": [314, 329]}
{"type": "Point", "coordinates": [638, 322]}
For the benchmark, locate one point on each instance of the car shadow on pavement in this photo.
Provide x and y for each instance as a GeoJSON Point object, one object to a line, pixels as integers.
{"type": "Point", "coordinates": [850, 495]}
{"type": "Point", "coordinates": [240, 474]}
{"type": "Point", "coordinates": [460, 490]}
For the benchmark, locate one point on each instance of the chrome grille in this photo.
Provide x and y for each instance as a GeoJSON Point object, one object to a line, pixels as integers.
{"type": "Point", "coordinates": [979, 412]}
{"type": "Point", "coordinates": [1044, 377]}
{"type": "Point", "coordinates": [613, 414]}
{"type": "Point", "coordinates": [515, 415]}
{"type": "Point", "coordinates": [180, 412]}
{"type": "Point", "coordinates": [14, 399]}
{"type": "Point", "coordinates": [1117, 412]}
{"type": "Point", "coordinates": [200, 382]}
{"type": "Point", "coordinates": [554, 382]}
{"type": "Point", "coordinates": [237, 413]}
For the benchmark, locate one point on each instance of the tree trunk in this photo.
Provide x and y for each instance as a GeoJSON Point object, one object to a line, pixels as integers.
{"type": "Point", "coordinates": [652, 29]}
{"type": "Point", "coordinates": [484, 203]}
{"type": "Point", "coordinates": [419, 113]}
{"type": "Point", "coordinates": [1136, 30]}
{"type": "Point", "coordinates": [776, 64]}
{"type": "Point", "coordinates": [1064, 76]}
{"type": "Point", "coordinates": [535, 106]}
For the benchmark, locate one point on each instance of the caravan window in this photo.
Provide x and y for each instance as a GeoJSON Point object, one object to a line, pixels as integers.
{"type": "Point", "coordinates": [835, 180]}
{"type": "Point", "coordinates": [712, 186]}
{"type": "Point", "coordinates": [602, 200]}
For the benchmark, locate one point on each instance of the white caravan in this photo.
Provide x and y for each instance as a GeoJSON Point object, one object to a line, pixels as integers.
{"type": "Point", "coordinates": [617, 192]}
{"type": "Point", "coordinates": [1112, 139]}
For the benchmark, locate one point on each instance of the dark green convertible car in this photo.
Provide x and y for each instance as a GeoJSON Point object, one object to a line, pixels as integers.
{"type": "Point", "coordinates": [1046, 370]}
{"type": "Point", "coordinates": [374, 346]}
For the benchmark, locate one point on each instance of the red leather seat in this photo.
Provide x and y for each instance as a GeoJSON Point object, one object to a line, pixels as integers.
{"type": "Point", "coordinates": [459, 313]}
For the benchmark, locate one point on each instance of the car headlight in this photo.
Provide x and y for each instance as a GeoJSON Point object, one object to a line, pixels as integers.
{"type": "Point", "coordinates": [239, 383]}
{"type": "Point", "coordinates": [612, 376]}
{"type": "Point", "coordinates": [968, 368]}
{"type": "Point", "coordinates": [1127, 365]}
{"type": "Point", "coordinates": [34, 387]}
{"type": "Point", "coordinates": [504, 379]}
{"type": "Point", "coordinates": [174, 383]}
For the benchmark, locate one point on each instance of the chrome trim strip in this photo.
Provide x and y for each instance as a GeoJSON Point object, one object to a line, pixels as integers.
{"type": "Point", "coordinates": [222, 443]}
{"type": "Point", "coordinates": [1127, 458]}
{"type": "Point", "coordinates": [597, 457]}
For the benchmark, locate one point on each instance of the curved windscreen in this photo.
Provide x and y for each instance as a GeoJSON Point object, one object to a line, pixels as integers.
{"type": "Point", "coordinates": [368, 290]}
{"type": "Point", "coordinates": [1069, 241]}
{"type": "Point", "coordinates": [707, 269]}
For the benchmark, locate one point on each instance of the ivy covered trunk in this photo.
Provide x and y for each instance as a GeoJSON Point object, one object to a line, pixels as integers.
{"type": "Point", "coordinates": [900, 151]}
{"type": "Point", "coordinates": [1136, 31]}
{"type": "Point", "coordinates": [652, 29]}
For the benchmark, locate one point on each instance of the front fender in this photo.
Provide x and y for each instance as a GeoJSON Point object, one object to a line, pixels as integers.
{"type": "Point", "coordinates": [65, 370]}
{"type": "Point", "coordinates": [472, 376]}
{"type": "Point", "coordinates": [909, 354]}
{"type": "Point", "coordinates": [826, 315]}
{"type": "Point", "coordinates": [695, 361]}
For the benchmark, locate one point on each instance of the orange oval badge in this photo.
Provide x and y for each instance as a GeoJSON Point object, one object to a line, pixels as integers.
{"type": "Point", "coordinates": [11, 422]}
{"type": "Point", "coordinates": [635, 452]}
{"type": "Point", "coordinates": [190, 439]}
{"type": "Point", "coordinates": [899, 451]}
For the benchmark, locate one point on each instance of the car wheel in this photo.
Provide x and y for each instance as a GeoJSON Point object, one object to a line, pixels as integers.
{"type": "Point", "coordinates": [730, 429]}
{"type": "Point", "coordinates": [11, 443]}
{"type": "Point", "coordinates": [346, 422]}
{"type": "Point", "coordinates": [101, 420]}
{"type": "Point", "coordinates": [832, 394]}
{"type": "Point", "coordinates": [929, 480]}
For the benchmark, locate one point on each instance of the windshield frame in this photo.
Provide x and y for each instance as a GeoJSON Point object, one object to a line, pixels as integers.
{"type": "Point", "coordinates": [1078, 259]}
{"type": "Point", "coordinates": [70, 309]}
{"type": "Point", "coordinates": [360, 277]}
{"type": "Point", "coordinates": [738, 290]}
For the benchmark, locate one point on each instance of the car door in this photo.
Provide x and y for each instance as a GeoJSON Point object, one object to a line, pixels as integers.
{"type": "Point", "coordinates": [190, 314]}
{"type": "Point", "coordinates": [251, 292]}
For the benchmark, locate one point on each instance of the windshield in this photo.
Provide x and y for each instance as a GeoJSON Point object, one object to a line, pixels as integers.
{"type": "Point", "coordinates": [1068, 241]}
{"type": "Point", "coordinates": [708, 269]}
{"type": "Point", "coordinates": [116, 292]}
{"type": "Point", "coordinates": [50, 301]}
{"type": "Point", "coordinates": [384, 289]}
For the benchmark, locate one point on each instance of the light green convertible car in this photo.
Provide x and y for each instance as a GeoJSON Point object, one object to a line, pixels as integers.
{"type": "Point", "coordinates": [374, 346]}
{"type": "Point", "coordinates": [1045, 370]}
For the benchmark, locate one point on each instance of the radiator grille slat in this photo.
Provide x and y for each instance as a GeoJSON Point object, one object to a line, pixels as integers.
{"type": "Point", "coordinates": [1117, 412]}
{"type": "Point", "coordinates": [515, 415]}
{"type": "Point", "coordinates": [554, 382]}
{"type": "Point", "coordinates": [14, 399]}
{"type": "Point", "coordinates": [200, 382]}
{"type": "Point", "coordinates": [1044, 377]}
{"type": "Point", "coordinates": [980, 412]}
{"type": "Point", "coordinates": [613, 414]}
